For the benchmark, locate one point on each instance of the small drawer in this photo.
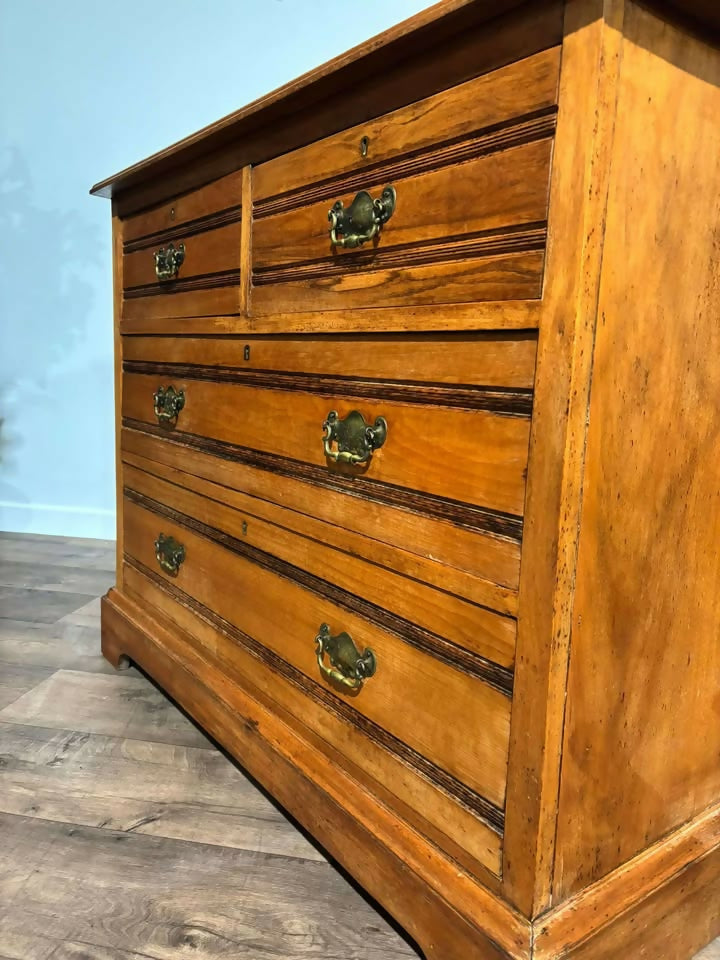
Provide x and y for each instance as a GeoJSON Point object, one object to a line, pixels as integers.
{"type": "Point", "coordinates": [183, 258]}
{"type": "Point", "coordinates": [447, 716]}
{"type": "Point", "coordinates": [444, 201]}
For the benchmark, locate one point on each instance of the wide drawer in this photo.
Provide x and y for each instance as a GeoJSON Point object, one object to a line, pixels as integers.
{"type": "Point", "coordinates": [470, 172]}
{"type": "Point", "coordinates": [456, 721]}
{"type": "Point", "coordinates": [183, 258]}
{"type": "Point", "coordinates": [454, 449]}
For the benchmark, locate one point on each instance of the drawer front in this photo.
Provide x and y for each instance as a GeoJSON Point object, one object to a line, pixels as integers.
{"type": "Point", "coordinates": [183, 258]}
{"type": "Point", "coordinates": [462, 454]}
{"type": "Point", "coordinates": [456, 722]}
{"type": "Point", "coordinates": [470, 172]}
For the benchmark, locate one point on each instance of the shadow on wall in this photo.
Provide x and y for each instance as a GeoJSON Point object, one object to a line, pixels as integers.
{"type": "Point", "coordinates": [45, 304]}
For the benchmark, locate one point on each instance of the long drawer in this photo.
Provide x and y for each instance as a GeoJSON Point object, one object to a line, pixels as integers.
{"type": "Point", "coordinates": [443, 201]}
{"type": "Point", "coordinates": [446, 722]}
{"type": "Point", "coordinates": [442, 443]}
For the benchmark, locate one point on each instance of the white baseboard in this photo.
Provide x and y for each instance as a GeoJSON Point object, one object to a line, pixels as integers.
{"type": "Point", "coordinates": [56, 520]}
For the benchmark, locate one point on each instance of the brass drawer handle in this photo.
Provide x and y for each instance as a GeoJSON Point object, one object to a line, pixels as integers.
{"type": "Point", "coordinates": [169, 554]}
{"type": "Point", "coordinates": [363, 219]}
{"type": "Point", "coordinates": [167, 404]}
{"type": "Point", "coordinates": [355, 439]}
{"type": "Point", "coordinates": [168, 261]}
{"type": "Point", "coordinates": [349, 668]}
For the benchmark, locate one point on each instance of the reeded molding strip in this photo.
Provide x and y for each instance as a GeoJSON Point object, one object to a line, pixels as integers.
{"type": "Point", "coordinates": [490, 140]}
{"type": "Point", "coordinates": [510, 402]}
{"type": "Point", "coordinates": [479, 806]}
{"type": "Point", "coordinates": [501, 678]}
{"type": "Point", "coordinates": [210, 222]}
{"type": "Point", "coordinates": [496, 243]}
{"type": "Point", "coordinates": [477, 519]}
{"type": "Point", "coordinates": [208, 281]}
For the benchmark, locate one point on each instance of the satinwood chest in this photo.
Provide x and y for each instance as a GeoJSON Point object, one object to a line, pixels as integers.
{"type": "Point", "coordinates": [417, 457]}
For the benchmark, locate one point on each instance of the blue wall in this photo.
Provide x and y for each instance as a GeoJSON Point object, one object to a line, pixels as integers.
{"type": "Point", "coordinates": [86, 89]}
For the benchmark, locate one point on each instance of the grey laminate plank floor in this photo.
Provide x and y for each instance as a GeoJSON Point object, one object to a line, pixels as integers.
{"type": "Point", "coordinates": [126, 835]}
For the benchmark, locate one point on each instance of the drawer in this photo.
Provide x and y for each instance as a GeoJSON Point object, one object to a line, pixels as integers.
{"type": "Point", "coordinates": [465, 219]}
{"type": "Point", "coordinates": [183, 258]}
{"type": "Point", "coordinates": [438, 444]}
{"type": "Point", "coordinates": [448, 717]}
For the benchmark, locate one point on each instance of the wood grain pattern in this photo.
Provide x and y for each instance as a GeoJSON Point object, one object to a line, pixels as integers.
{"type": "Point", "coordinates": [456, 820]}
{"type": "Point", "coordinates": [73, 700]}
{"type": "Point", "coordinates": [661, 890]}
{"type": "Point", "coordinates": [206, 252]}
{"type": "Point", "coordinates": [165, 886]}
{"type": "Point", "coordinates": [430, 570]}
{"type": "Point", "coordinates": [189, 303]}
{"type": "Point", "coordinates": [646, 611]}
{"type": "Point", "coordinates": [142, 787]}
{"type": "Point", "coordinates": [557, 445]}
{"type": "Point", "coordinates": [442, 543]}
{"type": "Point", "coordinates": [406, 676]}
{"type": "Point", "coordinates": [512, 276]}
{"type": "Point", "coordinates": [485, 315]}
{"type": "Point", "coordinates": [508, 189]}
{"type": "Point", "coordinates": [475, 628]}
{"type": "Point", "coordinates": [484, 455]}
{"type": "Point", "coordinates": [519, 89]}
{"type": "Point", "coordinates": [222, 194]}
{"type": "Point", "coordinates": [490, 360]}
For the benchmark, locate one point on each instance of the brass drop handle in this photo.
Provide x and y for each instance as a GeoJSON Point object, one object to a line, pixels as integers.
{"type": "Point", "coordinates": [348, 667]}
{"type": "Point", "coordinates": [168, 261]}
{"type": "Point", "coordinates": [169, 553]}
{"type": "Point", "coordinates": [354, 439]}
{"type": "Point", "coordinates": [167, 404]}
{"type": "Point", "coordinates": [363, 219]}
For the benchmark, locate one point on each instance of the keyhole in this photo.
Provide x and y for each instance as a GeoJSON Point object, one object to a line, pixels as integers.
{"type": "Point", "coordinates": [172, 213]}
{"type": "Point", "coordinates": [246, 351]}
{"type": "Point", "coordinates": [364, 144]}
{"type": "Point", "coordinates": [244, 528]}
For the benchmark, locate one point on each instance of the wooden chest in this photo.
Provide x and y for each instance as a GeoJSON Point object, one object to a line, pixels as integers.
{"type": "Point", "coordinates": [417, 442]}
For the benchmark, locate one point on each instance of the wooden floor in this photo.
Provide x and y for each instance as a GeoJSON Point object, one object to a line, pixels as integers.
{"type": "Point", "coordinates": [125, 834]}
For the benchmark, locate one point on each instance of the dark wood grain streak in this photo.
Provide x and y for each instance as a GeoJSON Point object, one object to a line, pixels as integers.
{"type": "Point", "coordinates": [471, 800]}
{"type": "Point", "coordinates": [227, 278]}
{"type": "Point", "coordinates": [498, 138]}
{"type": "Point", "coordinates": [463, 660]}
{"type": "Point", "coordinates": [462, 515]}
{"type": "Point", "coordinates": [509, 402]}
{"type": "Point", "coordinates": [491, 243]}
{"type": "Point", "coordinates": [209, 222]}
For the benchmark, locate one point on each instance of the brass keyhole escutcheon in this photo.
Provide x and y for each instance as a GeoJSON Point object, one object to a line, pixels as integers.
{"type": "Point", "coordinates": [364, 145]}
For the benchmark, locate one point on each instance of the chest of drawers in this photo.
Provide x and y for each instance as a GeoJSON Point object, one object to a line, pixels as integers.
{"type": "Point", "coordinates": [417, 439]}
